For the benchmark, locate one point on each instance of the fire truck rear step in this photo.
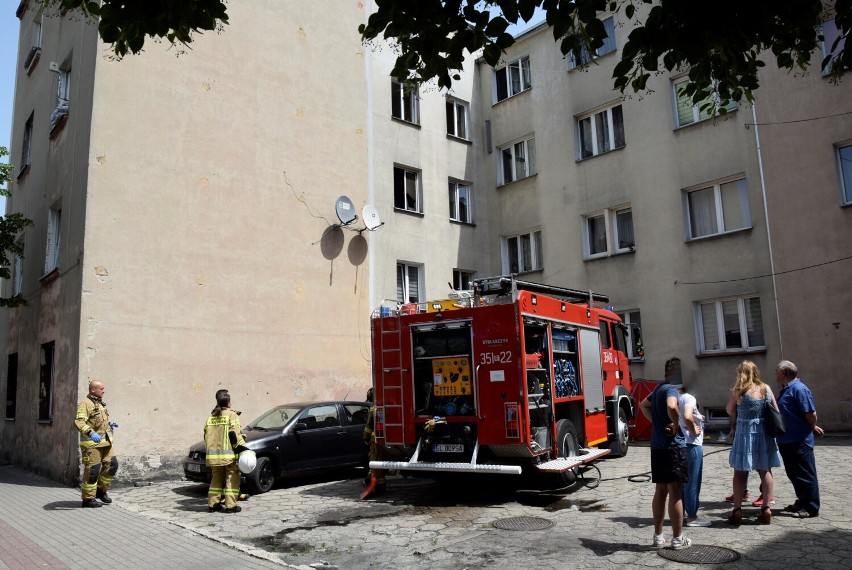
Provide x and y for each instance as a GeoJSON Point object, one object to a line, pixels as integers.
{"type": "Point", "coordinates": [471, 467]}
{"type": "Point", "coordinates": [565, 463]}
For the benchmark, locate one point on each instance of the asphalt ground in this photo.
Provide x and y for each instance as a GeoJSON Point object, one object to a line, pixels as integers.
{"type": "Point", "coordinates": [424, 523]}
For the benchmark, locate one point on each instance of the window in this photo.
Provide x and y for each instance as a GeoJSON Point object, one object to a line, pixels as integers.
{"type": "Point", "coordinates": [729, 325]}
{"type": "Point", "coordinates": [45, 386]}
{"type": "Point", "coordinates": [63, 96]}
{"type": "Point", "coordinates": [457, 118]}
{"type": "Point", "coordinates": [406, 190]}
{"type": "Point", "coordinates": [686, 112]}
{"type": "Point", "coordinates": [607, 47]}
{"type": "Point", "coordinates": [462, 280]}
{"type": "Point", "coordinates": [844, 157]}
{"type": "Point", "coordinates": [512, 79]}
{"type": "Point", "coordinates": [35, 49]}
{"type": "Point", "coordinates": [600, 132]}
{"type": "Point", "coordinates": [356, 414]}
{"type": "Point", "coordinates": [27, 147]}
{"type": "Point", "coordinates": [516, 161]}
{"type": "Point", "coordinates": [460, 202]}
{"type": "Point", "coordinates": [831, 34]}
{"type": "Point", "coordinates": [18, 283]}
{"type": "Point", "coordinates": [717, 209]}
{"type": "Point", "coordinates": [522, 253]}
{"type": "Point", "coordinates": [615, 222]}
{"type": "Point", "coordinates": [12, 386]}
{"type": "Point", "coordinates": [321, 416]}
{"type": "Point", "coordinates": [408, 283]}
{"type": "Point", "coordinates": [54, 224]}
{"type": "Point", "coordinates": [633, 320]}
{"type": "Point", "coordinates": [405, 104]}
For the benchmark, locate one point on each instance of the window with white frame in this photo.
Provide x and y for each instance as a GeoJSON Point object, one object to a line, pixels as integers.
{"type": "Point", "coordinates": [512, 79]}
{"type": "Point", "coordinates": [608, 232]}
{"type": "Point", "coordinates": [717, 208]}
{"type": "Point", "coordinates": [733, 324]}
{"type": "Point", "coordinates": [607, 47]}
{"type": "Point", "coordinates": [35, 47]}
{"type": "Point", "coordinates": [408, 283]}
{"type": "Point", "coordinates": [18, 283]}
{"type": "Point", "coordinates": [27, 146]}
{"type": "Point", "coordinates": [522, 252]}
{"type": "Point", "coordinates": [54, 225]}
{"type": "Point", "coordinates": [462, 280]}
{"type": "Point", "coordinates": [457, 118]}
{"type": "Point", "coordinates": [405, 104]}
{"type": "Point", "coordinates": [633, 320]}
{"type": "Point", "coordinates": [460, 202]}
{"type": "Point", "coordinates": [830, 35]}
{"type": "Point", "coordinates": [407, 193]}
{"type": "Point", "coordinates": [600, 131]}
{"type": "Point", "coordinates": [63, 95]}
{"type": "Point", "coordinates": [844, 158]}
{"type": "Point", "coordinates": [687, 112]}
{"type": "Point", "coordinates": [516, 161]}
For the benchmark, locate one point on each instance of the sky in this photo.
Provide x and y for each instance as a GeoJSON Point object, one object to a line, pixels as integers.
{"type": "Point", "coordinates": [9, 27]}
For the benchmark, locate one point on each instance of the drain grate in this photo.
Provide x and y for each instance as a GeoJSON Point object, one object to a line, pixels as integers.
{"type": "Point", "coordinates": [700, 554]}
{"type": "Point", "coordinates": [523, 523]}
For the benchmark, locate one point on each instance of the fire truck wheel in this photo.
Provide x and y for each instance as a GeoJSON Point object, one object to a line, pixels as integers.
{"type": "Point", "coordinates": [566, 438]}
{"type": "Point", "coordinates": [619, 443]}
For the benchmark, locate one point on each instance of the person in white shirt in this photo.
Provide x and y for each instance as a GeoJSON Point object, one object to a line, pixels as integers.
{"type": "Point", "coordinates": [692, 426]}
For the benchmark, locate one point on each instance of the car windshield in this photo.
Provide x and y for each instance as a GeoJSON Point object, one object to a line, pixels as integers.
{"type": "Point", "coordinates": [274, 419]}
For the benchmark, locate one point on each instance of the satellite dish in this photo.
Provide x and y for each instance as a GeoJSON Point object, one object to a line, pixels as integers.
{"type": "Point", "coordinates": [371, 217]}
{"type": "Point", "coordinates": [345, 210]}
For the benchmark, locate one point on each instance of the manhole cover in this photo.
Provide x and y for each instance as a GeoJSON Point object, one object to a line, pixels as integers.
{"type": "Point", "coordinates": [523, 523]}
{"type": "Point", "coordinates": [700, 554]}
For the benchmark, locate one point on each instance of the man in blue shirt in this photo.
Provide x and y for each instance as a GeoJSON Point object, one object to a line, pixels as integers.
{"type": "Point", "coordinates": [668, 455]}
{"type": "Point", "coordinates": [796, 404]}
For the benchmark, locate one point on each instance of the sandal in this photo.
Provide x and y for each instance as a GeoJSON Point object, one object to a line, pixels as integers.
{"type": "Point", "coordinates": [765, 516]}
{"type": "Point", "coordinates": [736, 517]}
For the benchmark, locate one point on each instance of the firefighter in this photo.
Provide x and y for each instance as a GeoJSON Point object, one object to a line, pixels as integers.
{"type": "Point", "coordinates": [375, 481]}
{"type": "Point", "coordinates": [96, 437]}
{"type": "Point", "coordinates": [223, 441]}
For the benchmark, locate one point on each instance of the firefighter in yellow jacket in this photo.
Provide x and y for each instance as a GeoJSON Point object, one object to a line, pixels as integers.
{"type": "Point", "coordinates": [223, 441]}
{"type": "Point", "coordinates": [96, 438]}
{"type": "Point", "coordinates": [375, 481]}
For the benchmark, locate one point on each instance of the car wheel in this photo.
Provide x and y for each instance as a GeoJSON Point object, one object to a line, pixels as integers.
{"type": "Point", "coordinates": [566, 437]}
{"type": "Point", "coordinates": [262, 477]}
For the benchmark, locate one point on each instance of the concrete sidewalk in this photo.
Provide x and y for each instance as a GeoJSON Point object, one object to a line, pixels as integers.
{"type": "Point", "coordinates": [43, 526]}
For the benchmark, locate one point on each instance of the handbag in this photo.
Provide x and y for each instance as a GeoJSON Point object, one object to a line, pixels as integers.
{"type": "Point", "coordinates": [773, 421]}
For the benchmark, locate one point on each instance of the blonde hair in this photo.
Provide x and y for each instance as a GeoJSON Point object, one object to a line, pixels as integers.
{"type": "Point", "coordinates": [748, 375]}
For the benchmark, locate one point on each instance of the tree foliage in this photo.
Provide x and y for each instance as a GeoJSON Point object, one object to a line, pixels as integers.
{"type": "Point", "coordinates": [125, 24]}
{"type": "Point", "coordinates": [10, 226]}
{"type": "Point", "coordinates": [722, 43]}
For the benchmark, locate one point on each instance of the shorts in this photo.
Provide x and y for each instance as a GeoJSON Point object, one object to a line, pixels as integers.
{"type": "Point", "coordinates": [669, 465]}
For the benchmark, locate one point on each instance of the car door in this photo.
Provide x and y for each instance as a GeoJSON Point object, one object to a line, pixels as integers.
{"type": "Point", "coordinates": [320, 444]}
{"type": "Point", "coordinates": [356, 414]}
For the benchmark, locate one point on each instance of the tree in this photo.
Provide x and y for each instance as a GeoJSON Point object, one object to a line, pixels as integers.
{"type": "Point", "coordinates": [722, 43]}
{"type": "Point", "coordinates": [10, 226]}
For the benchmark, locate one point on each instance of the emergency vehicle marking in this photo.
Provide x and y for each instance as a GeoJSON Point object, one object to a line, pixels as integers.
{"type": "Point", "coordinates": [495, 341]}
{"type": "Point", "coordinates": [607, 357]}
{"type": "Point", "coordinates": [502, 357]}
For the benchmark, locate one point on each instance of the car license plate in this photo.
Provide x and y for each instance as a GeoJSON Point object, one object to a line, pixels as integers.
{"type": "Point", "coordinates": [193, 467]}
{"type": "Point", "coordinates": [448, 448]}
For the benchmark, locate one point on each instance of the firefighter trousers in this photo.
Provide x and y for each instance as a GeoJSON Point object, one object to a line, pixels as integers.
{"type": "Point", "coordinates": [99, 467]}
{"type": "Point", "coordinates": [224, 486]}
{"type": "Point", "coordinates": [377, 453]}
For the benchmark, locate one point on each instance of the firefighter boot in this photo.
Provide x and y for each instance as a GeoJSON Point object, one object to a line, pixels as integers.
{"type": "Point", "coordinates": [91, 504]}
{"type": "Point", "coordinates": [103, 497]}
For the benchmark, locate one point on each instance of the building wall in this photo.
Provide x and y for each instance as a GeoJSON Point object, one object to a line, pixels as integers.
{"type": "Point", "coordinates": [802, 120]}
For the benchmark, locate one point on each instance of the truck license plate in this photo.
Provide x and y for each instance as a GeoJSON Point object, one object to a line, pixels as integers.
{"type": "Point", "coordinates": [448, 448]}
{"type": "Point", "coordinates": [193, 467]}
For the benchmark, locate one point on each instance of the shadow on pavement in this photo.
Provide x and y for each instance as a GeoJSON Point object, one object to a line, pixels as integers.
{"type": "Point", "coordinates": [602, 548]}
{"type": "Point", "coordinates": [62, 505]}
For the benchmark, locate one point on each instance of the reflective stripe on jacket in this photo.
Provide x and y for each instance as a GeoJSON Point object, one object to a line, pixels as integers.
{"type": "Point", "coordinates": [216, 440]}
{"type": "Point", "coordinates": [93, 417]}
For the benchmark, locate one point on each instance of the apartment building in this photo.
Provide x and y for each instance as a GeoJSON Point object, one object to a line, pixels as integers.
{"type": "Point", "coordinates": [186, 240]}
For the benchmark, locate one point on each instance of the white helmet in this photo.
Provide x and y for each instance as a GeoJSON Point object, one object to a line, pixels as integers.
{"type": "Point", "coordinates": [248, 461]}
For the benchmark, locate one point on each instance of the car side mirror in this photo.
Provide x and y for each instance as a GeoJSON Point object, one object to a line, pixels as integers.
{"type": "Point", "coordinates": [300, 426]}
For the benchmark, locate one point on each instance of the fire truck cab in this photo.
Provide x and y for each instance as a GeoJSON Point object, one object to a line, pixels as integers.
{"type": "Point", "coordinates": [516, 377]}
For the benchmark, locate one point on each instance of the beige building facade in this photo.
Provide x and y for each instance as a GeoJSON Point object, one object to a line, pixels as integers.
{"type": "Point", "coordinates": [185, 235]}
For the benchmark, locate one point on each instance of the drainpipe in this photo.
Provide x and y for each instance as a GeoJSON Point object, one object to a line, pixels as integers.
{"type": "Point", "coordinates": [766, 218]}
{"type": "Point", "coordinates": [371, 188]}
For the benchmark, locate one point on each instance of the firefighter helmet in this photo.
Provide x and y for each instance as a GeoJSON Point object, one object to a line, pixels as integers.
{"type": "Point", "coordinates": [247, 461]}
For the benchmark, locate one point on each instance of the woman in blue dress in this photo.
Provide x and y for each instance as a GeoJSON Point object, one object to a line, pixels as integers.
{"type": "Point", "coordinates": [753, 448]}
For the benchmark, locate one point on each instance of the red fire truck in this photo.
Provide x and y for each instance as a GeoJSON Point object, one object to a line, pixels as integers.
{"type": "Point", "coordinates": [517, 378]}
